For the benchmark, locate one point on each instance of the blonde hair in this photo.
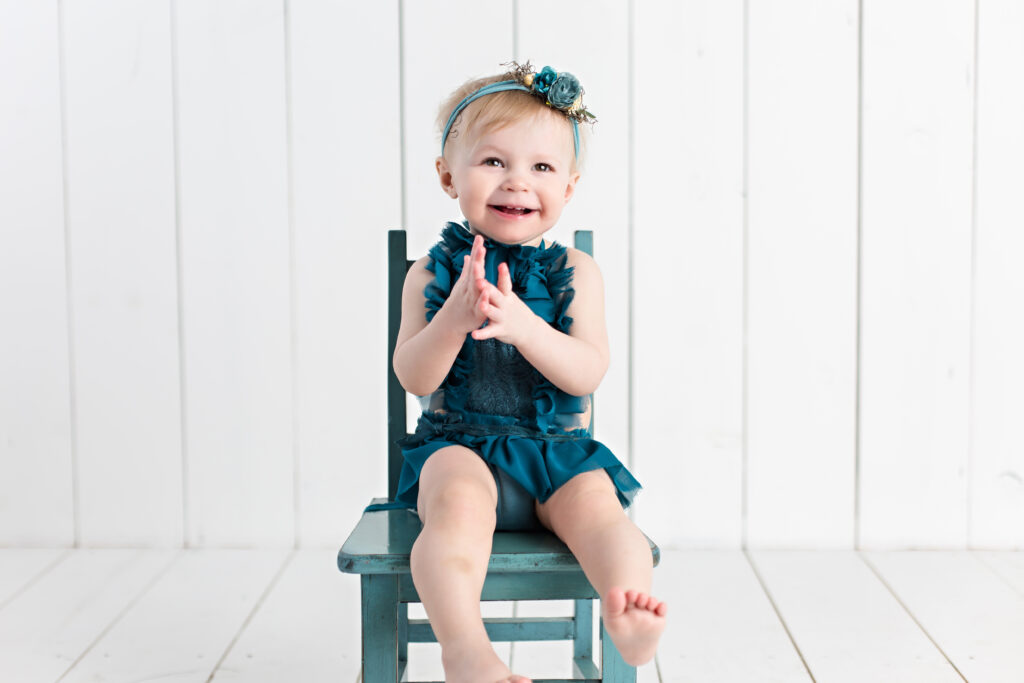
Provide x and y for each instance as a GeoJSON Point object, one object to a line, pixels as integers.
{"type": "Point", "coordinates": [495, 111]}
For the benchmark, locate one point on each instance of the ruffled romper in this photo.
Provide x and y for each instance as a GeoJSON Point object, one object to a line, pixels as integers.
{"type": "Point", "coordinates": [534, 436]}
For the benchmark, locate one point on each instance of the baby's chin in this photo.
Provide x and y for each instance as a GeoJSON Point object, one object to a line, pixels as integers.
{"type": "Point", "coordinates": [531, 238]}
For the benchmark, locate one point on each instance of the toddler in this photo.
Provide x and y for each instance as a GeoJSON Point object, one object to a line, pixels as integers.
{"type": "Point", "coordinates": [503, 336]}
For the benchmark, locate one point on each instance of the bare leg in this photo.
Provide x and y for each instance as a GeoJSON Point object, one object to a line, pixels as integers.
{"type": "Point", "coordinates": [585, 513]}
{"type": "Point", "coordinates": [457, 500]}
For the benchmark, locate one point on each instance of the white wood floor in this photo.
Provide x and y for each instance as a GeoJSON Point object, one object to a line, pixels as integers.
{"type": "Point", "coordinates": [258, 615]}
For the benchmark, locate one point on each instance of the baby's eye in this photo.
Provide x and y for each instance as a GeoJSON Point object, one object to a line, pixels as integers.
{"type": "Point", "coordinates": [543, 167]}
{"type": "Point", "coordinates": [492, 161]}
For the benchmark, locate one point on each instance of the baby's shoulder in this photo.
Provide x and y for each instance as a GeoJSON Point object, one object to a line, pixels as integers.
{"type": "Point", "coordinates": [420, 264]}
{"type": "Point", "coordinates": [418, 276]}
{"type": "Point", "coordinates": [583, 264]}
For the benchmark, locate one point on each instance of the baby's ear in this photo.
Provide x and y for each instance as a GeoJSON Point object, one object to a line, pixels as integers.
{"type": "Point", "coordinates": [570, 189]}
{"type": "Point", "coordinates": [444, 174]}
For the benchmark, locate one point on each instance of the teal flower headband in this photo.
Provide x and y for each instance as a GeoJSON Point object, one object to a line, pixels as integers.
{"type": "Point", "coordinates": [559, 91]}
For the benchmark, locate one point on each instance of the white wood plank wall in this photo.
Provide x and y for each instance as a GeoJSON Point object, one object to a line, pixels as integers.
{"type": "Point", "coordinates": [807, 214]}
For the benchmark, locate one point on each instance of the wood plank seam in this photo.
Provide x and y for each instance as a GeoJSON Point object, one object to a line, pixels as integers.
{"type": "Point", "coordinates": [778, 614]}
{"type": "Point", "coordinates": [35, 579]}
{"type": "Point", "coordinates": [991, 568]}
{"type": "Point", "coordinates": [906, 609]}
{"type": "Point", "coordinates": [120, 615]}
{"type": "Point", "coordinates": [252, 613]}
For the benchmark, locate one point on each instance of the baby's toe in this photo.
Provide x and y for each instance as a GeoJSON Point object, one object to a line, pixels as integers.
{"type": "Point", "coordinates": [616, 602]}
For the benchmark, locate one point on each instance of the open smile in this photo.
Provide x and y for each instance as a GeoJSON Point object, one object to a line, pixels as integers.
{"type": "Point", "coordinates": [510, 211]}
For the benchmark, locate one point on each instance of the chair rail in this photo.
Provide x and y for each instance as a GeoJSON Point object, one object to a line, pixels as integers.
{"type": "Point", "coordinates": [506, 629]}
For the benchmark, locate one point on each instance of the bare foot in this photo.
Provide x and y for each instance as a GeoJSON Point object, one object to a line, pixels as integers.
{"type": "Point", "coordinates": [634, 621]}
{"type": "Point", "coordinates": [479, 664]}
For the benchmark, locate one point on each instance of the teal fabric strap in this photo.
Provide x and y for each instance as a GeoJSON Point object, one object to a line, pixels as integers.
{"type": "Point", "coordinates": [493, 88]}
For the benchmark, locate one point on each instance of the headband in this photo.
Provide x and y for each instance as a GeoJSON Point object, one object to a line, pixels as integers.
{"type": "Point", "coordinates": [559, 91]}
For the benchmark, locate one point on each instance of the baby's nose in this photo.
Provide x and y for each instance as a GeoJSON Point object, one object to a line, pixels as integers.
{"type": "Point", "coordinates": [514, 182]}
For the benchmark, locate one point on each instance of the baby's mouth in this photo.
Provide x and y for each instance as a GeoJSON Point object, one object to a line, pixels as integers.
{"type": "Point", "coordinates": [511, 210]}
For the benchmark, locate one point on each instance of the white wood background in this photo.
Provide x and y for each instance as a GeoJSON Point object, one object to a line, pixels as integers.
{"type": "Point", "coordinates": [807, 213]}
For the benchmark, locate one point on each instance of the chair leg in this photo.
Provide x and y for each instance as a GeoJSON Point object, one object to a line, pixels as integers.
{"type": "Point", "coordinates": [380, 628]}
{"type": "Point", "coordinates": [583, 643]}
{"type": "Point", "coordinates": [403, 637]}
{"type": "Point", "coordinates": [613, 668]}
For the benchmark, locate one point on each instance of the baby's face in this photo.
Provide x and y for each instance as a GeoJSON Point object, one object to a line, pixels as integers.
{"type": "Point", "coordinates": [512, 183]}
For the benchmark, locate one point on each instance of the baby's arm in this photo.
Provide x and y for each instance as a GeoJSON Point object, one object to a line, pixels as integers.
{"type": "Point", "coordinates": [424, 352]}
{"type": "Point", "coordinates": [574, 362]}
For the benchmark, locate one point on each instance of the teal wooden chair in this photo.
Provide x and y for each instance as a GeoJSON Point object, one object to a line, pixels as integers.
{"type": "Point", "coordinates": [523, 566]}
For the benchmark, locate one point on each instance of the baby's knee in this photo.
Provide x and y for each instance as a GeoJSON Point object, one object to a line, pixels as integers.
{"type": "Point", "coordinates": [587, 501]}
{"type": "Point", "coordinates": [460, 503]}
{"type": "Point", "coordinates": [587, 494]}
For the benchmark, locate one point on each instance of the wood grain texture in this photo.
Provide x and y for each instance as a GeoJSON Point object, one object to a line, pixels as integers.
{"type": "Point", "coordinates": [802, 273]}
{"type": "Point", "coordinates": [972, 615]}
{"type": "Point", "coordinates": [307, 629]}
{"type": "Point", "coordinates": [915, 272]}
{"type": "Point", "coordinates": [182, 626]}
{"type": "Point", "coordinates": [845, 622]}
{"type": "Point", "coordinates": [716, 609]}
{"type": "Point", "coordinates": [251, 615]}
{"type": "Point", "coordinates": [997, 441]}
{"type": "Point", "coordinates": [235, 270]}
{"type": "Point", "coordinates": [49, 627]}
{"type": "Point", "coordinates": [1007, 565]}
{"type": "Point", "coordinates": [123, 272]}
{"type": "Point", "coordinates": [36, 486]}
{"type": "Point", "coordinates": [688, 279]}
{"type": "Point", "coordinates": [20, 567]}
{"type": "Point", "coordinates": [346, 194]}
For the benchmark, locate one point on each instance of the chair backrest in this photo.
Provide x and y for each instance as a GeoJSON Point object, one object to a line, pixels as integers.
{"type": "Point", "coordinates": [398, 266]}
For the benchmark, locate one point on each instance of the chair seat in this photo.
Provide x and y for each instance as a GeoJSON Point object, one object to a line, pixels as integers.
{"type": "Point", "coordinates": [382, 540]}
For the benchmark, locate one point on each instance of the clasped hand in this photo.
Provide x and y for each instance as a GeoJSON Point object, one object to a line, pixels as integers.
{"type": "Point", "coordinates": [475, 301]}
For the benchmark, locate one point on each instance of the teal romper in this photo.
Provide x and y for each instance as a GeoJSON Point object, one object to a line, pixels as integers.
{"type": "Point", "coordinates": [533, 436]}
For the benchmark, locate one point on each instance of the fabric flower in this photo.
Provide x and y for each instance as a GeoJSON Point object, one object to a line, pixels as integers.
{"type": "Point", "coordinates": [544, 403]}
{"type": "Point", "coordinates": [542, 81]}
{"type": "Point", "coordinates": [563, 92]}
